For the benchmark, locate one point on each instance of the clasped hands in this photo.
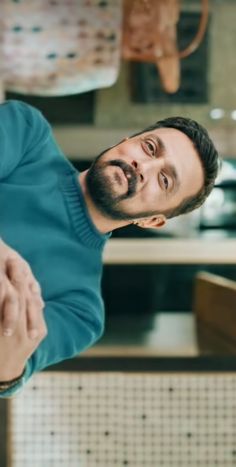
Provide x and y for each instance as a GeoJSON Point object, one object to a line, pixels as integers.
{"type": "Point", "coordinates": [22, 324]}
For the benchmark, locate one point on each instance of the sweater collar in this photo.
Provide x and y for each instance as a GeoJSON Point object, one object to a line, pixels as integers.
{"type": "Point", "coordinates": [82, 222]}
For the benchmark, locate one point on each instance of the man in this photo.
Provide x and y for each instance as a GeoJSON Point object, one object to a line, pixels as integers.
{"type": "Point", "coordinates": [55, 222]}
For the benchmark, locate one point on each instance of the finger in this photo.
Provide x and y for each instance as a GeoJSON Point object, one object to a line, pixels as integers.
{"type": "Point", "coordinates": [15, 296]}
{"type": "Point", "coordinates": [34, 316]}
{"type": "Point", "coordinates": [2, 289]}
{"type": "Point", "coordinates": [21, 275]}
{"type": "Point", "coordinates": [15, 272]}
{"type": "Point", "coordinates": [34, 287]}
{"type": "Point", "coordinates": [27, 271]}
{"type": "Point", "coordinates": [10, 313]}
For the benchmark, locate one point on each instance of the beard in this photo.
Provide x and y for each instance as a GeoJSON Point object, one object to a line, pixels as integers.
{"type": "Point", "coordinates": [102, 190]}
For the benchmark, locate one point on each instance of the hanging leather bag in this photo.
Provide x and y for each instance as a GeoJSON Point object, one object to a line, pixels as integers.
{"type": "Point", "coordinates": [150, 35]}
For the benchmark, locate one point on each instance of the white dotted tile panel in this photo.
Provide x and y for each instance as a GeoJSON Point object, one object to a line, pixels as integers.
{"type": "Point", "coordinates": [116, 419]}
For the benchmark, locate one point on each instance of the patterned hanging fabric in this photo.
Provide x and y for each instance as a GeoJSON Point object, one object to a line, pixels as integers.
{"type": "Point", "coordinates": [59, 47]}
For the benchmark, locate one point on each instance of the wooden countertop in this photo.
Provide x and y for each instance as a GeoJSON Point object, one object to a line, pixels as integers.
{"type": "Point", "coordinates": [170, 251]}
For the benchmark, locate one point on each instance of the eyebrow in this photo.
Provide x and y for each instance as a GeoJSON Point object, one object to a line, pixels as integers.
{"type": "Point", "coordinates": [170, 167]}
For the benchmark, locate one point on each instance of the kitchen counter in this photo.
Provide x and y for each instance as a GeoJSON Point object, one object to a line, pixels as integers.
{"type": "Point", "coordinates": [208, 249]}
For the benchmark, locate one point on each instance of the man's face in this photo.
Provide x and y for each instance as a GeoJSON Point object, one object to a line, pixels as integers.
{"type": "Point", "coordinates": [147, 174]}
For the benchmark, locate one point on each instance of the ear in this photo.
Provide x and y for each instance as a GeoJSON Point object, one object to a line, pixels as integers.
{"type": "Point", "coordinates": [155, 222]}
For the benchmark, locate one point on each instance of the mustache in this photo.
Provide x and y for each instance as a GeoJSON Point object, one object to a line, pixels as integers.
{"type": "Point", "coordinates": [129, 171]}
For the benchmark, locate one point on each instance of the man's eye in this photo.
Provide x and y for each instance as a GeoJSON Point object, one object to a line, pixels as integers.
{"type": "Point", "coordinates": [151, 147]}
{"type": "Point", "coordinates": [166, 181]}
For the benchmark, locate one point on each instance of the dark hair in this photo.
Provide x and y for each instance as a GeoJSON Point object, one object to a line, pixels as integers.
{"type": "Point", "coordinates": [208, 156]}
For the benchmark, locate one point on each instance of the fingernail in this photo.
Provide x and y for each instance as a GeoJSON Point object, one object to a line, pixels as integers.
{"type": "Point", "coordinates": [7, 332]}
{"type": "Point", "coordinates": [33, 333]}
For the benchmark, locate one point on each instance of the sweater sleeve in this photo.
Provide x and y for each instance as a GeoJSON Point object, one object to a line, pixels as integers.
{"type": "Point", "coordinates": [22, 130]}
{"type": "Point", "coordinates": [71, 330]}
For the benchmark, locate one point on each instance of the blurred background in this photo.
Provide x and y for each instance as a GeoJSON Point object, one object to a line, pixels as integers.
{"type": "Point", "coordinates": [97, 79]}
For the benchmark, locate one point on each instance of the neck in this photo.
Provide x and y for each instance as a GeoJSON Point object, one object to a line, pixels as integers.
{"type": "Point", "coordinates": [102, 223]}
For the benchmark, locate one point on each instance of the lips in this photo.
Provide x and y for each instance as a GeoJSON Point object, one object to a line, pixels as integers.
{"type": "Point", "coordinates": [123, 173]}
{"type": "Point", "coordinates": [126, 175]}
{"type": "Point", "coordinates": [128, 172]}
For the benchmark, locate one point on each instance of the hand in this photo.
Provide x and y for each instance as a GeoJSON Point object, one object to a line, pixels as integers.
{"type": "Point", "coordinates": [19, 291]}
{"type": "Point", "coordinates": [16, 350]}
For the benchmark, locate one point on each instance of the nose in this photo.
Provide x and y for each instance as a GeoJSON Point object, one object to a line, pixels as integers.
{"type": "Point", "coordinates": [146, 168]}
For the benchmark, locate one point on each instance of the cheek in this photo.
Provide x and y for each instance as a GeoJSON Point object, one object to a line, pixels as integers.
{"type": "Point", "coordinates": [154, 198]}
{"type": "Point", "coordinates": [152, 191]}
{"type": "Point", "coordinates": [150, 197]}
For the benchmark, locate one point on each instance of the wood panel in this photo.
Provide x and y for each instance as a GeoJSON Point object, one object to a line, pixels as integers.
{"type": "Point", "coordinates": [215, 309]}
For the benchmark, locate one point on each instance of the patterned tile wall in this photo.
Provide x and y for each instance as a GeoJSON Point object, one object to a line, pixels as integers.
{"type": "Point", "coordinates": [116, 419]}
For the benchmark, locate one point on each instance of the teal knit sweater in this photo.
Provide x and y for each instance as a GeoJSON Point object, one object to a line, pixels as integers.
{"type": "Point", "coordinates": [43, 217]}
